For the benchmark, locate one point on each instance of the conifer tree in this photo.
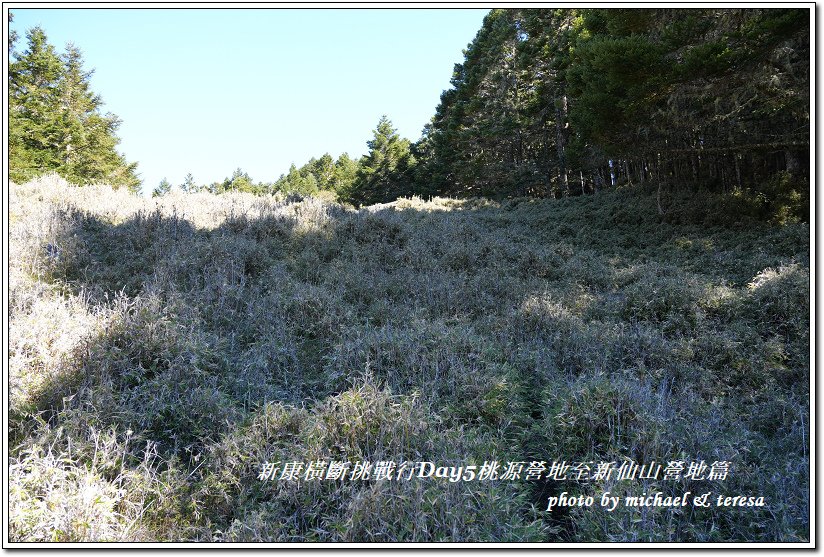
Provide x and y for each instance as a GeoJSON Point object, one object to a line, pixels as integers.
{"type": "Point", "coordinates": [385, 173]}
{"type": "Point", "coordinates": [188, 185]}
{"type": "Point", "coordinates": [162, 188]}
{"type": "Point", "coordinates": [324, 171]}
{"type": "Point", "coordinates": [55, 120]}
{"type": "Point", "coordinates": [346, 170]}
{"type": "Point", "coordinates": [88, 137]}
{"type": "Point", "coordinates": [34, 98]}
{"type": "Point", "coordinates": [323, 174]}
{"type": "Point", "coordinates": [301, 181]}
{"type": "Point", "coordinates": [568, 101]}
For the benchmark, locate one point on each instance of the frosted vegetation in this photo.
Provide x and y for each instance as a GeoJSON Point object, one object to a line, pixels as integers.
{"type": "Point", "coordinates": [161, 350]}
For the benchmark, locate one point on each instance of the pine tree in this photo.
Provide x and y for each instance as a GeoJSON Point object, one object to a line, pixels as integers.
{"type": "Point", "coordinates": [88, 140]}
{"type": "Point", "coordinates": [301, 181]}
{"type": "Point", "coordinates": [346, 171]}
{"type": "Point", "coordinates": [34, 100]}
{"type": "Point", "coordinates": [188, 185]}
{"type": "Point", "coordinates": [55, 120]}
{"type": "Point", "coordinates": [162, 188]}
{"type": "Point", "coordinates": [566, 101]}
{"type": "Point", "coordinates": [385, 173]}
{"type": "Point", "coordinates": [323, 174]}
{"type": "Point", "coordinates": [12, 34]}
{"type": "Point", "coordinates": [239, 181]}
{"type": "Point", "coordinates": [324, 171]}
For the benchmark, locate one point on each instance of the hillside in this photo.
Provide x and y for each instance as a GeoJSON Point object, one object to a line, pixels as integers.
{"type": "Point", "coordinates": [161, 351]}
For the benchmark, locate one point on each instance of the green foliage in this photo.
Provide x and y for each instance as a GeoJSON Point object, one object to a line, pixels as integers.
{"type": "Point", "coordinates": [55, 120]}
{"type": "Point", "coordinates": [385, 173]}
{"type": "Point", "coordinates": [301, 181]}
{"type": "Point", "coordinates": [614, 80]}
{"type": "Point", "coordinates": [319, 175]}
{"type": "Point", "coordinates": [346, 170]}
{"type": "Point", "coordinates": [189, 185]}
{"type": "Point", "coordinates": [162, 188]}
{"type": "Point", "coordinates": [239, 181]}
{"type": "Point", "coordinates": [555, 102]}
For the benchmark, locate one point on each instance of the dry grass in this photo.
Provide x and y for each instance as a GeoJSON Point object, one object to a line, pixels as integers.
{"type": "Point", "coordinates": [162, 349]}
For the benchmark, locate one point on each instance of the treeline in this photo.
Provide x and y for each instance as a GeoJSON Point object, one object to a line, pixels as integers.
{"type": "Point", "coordinates": [385, 173]}
{"type": "Point", "coordinates": [551, 102]}
{"type": "Point", "coordinates": [56, 123]}
{"type": "Point", "coordinates": [558, 102]}
{"type": "Point", "coordinates": [318, 175]}
{"type": "Point", "coordinates": [547, 103]}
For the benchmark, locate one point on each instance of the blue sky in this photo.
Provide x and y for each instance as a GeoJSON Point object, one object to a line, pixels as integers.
{"type": "Point", "coordinates": [210, 90]}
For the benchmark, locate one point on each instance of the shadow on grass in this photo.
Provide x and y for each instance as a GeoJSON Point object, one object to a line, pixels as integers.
{"type": "Point", "coordinates": [528, 328]}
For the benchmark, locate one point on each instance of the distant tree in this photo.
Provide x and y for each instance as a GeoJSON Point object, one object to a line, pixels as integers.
{"type": "Point", "coordinates": [324, 171]}
{"type": "Point", "coordinates": [322, 174]}
{"type": "Point", "coordinates": [188, 185]}
{"type": "Point", "coordinates": [346, 170]}
{"type": "Point", "coordinates": [385, 173]}
{"type": "Point", "coordinates": [302, 181]}
{"type": "Point", "coordinates": [240, 181]}
{"type": "Point", "coordinates": [162, 188]}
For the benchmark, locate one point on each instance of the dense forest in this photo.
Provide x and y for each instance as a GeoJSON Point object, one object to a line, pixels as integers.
{"type": "Point", "coordinates": [546, 103]}
{"type": "Point", "coordinates": [595, 259]}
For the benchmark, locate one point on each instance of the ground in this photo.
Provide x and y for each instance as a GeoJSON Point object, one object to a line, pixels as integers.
{"type": "Point", "coordinates": [163, 350]}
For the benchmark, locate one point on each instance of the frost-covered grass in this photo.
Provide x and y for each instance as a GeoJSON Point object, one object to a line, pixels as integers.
{"type": "Point", "coordinates": [161, 350]}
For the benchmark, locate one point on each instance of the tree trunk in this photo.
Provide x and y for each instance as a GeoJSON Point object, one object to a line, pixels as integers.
{"type": "Point", "coordinates": [658, 179]}
{"type": "Point", "coordinates": [791, 163]}
{"type": "Point", "coordinates": [560, 143]}
{"type": "Point", "coordinates": [737, 171]}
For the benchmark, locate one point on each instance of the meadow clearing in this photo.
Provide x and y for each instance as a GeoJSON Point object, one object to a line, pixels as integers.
{"type": "Point", "coordinates": [161, 350]}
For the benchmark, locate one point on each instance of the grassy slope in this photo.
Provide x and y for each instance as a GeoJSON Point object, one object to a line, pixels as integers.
{"type": "Point", "coordinates": [174, 345]}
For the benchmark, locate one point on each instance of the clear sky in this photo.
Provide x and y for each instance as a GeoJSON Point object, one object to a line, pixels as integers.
{"type": "Point", "coordinates": [210, 90]}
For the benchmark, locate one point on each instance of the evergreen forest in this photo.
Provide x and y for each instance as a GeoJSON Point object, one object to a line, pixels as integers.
{"type": "Point", "coordinates": [546, 103]}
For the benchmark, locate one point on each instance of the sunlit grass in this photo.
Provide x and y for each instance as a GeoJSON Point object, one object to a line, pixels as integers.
{"type": "Point", "coordinates": [162, 349]}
